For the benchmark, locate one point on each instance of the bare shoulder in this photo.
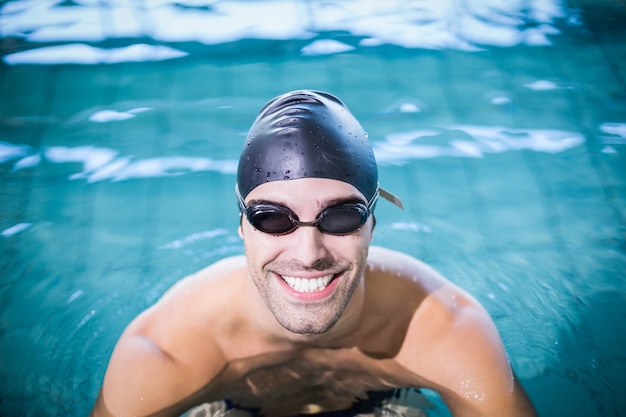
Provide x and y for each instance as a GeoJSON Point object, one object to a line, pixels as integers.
{"type": "Point", "coordinates": [455, 346]}
{"type": "Point", "coordinates": [183, 312]}
{"type": "Point", "coordinates": [170, 350]}
{"type": "Point", "coordinates": [452, 345]}
{"type": "Point", "coordinates": [393, 264]}
{"type": "Point", "coordinates": [214, 273]}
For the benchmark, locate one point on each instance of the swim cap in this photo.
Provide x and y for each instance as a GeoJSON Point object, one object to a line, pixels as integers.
{"type": "Point", "coordinates": [308, 134]}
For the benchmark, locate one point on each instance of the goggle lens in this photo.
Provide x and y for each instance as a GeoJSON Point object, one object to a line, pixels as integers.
{"type": "Point", "coordinates": [274, 220]}
{"type": "Point", "coordinates": [279, 220]}
{"type": "Point", "coordinates": [343, 219]}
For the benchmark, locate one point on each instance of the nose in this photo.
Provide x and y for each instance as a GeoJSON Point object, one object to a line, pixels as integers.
{"type": "Point", "coordinates": [309, 247]}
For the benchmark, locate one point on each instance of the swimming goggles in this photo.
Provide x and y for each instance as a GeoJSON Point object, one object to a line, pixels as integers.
{"type": "Point", "coordinates": [276, 219]}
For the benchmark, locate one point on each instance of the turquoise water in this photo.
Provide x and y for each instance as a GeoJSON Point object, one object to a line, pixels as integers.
{"type": "Point", "coordinates": [509, 151]}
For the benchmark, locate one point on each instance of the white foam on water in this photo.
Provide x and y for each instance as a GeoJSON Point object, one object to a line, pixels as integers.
{"type": "Point", "coordinates": [15, 229]}
{"type": "Point", "coordinates": [326, 47]}
{"type": "Point", "coordinates": [468, 25]}
{"type": "Point", "coordinates": [465, 141]}
{"type": "Point", "coordinates": [9, 151]}
{"type": "Point", "coordinates": [100, 164]}
{"type": "Point", "coordinates": [472, 142]}
{"type": "Point", "coordinates": [617, 129]}
{"type": "Point", "coordinates": [78, 53]}
{"type": "Point", "coordinates": [542, 85]}
{"type": "Point", "coordinates": [92, 157]}
{"type": "Point", "coordinates": [194, 237]}
{"type": "Point", "coordinates": [104, 116]}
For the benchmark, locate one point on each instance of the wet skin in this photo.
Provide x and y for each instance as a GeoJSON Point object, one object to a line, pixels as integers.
{"type": "Point", "coordinates": [239, 330]}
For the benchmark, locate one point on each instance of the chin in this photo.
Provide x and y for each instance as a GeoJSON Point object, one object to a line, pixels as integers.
{"type": "Point", "coordinates": [305, 326]}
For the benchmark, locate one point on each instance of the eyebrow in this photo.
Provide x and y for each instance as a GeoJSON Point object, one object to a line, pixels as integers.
{"type": "Point", "coordinates": [330, 203]}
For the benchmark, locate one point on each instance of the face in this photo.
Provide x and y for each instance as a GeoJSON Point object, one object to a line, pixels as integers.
{"type": "Point", "coordinates": [307, 278]}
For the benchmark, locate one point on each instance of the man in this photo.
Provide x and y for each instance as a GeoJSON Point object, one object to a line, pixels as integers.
{"type": "Point", "coordinates": [311, 320]}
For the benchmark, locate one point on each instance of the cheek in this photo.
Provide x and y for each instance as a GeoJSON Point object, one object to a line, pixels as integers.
{"type": "Point", "coordinates": [254, 255]}
{"type": "Point", "coordinates": [354, 246]}
{"type": "Point", "coordinates": [260, 248]}
{"type": "Point", "coordinates": [367, 231]}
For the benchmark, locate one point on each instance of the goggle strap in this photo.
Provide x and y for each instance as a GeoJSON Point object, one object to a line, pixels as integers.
{"type": "Point", "coordinates": [390, 197]}
{"type": "Point", "coordinates": [383, 193]}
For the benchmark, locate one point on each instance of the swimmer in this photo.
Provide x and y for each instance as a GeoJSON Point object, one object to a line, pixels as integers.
{"type": "Point", "coordinates": [312, 320]}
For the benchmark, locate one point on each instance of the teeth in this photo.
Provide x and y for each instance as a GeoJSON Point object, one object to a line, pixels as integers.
{"type": "Point", "coordinates": [307, 284]}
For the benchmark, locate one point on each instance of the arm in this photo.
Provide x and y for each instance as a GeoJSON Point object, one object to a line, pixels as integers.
{"type": "Point", "coordinates": [169, 353]}
{"type": "Point", "coordinates": [134, 381]}
{"type": "Point", "coordinates": [158, 366]}
{"type": "Point", "coordinates": [143, 379]}
{"type": "Point", "coordinates": [454, 348]}
{"type": "Point", "coordinates": [484, 384]}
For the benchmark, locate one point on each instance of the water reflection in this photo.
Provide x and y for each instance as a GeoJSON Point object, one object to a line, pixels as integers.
{"type": "Point", "coordinates": [471, 141]}
{"type": "Point", "coordinates": [104, 116]}
{"type": "Point", "coordinates": [85, 54]}
{"type": "Point", "coordinates": [100, 164]}
{"type": "Point", "coordinates": [467, 26]}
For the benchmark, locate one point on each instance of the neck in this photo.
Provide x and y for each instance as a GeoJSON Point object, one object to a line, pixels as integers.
{"type": "Point", "coordinates": [345, 332]}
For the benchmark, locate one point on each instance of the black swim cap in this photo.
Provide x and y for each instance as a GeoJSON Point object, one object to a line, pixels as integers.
{"type": "Point", "coordinates": [307, 134]}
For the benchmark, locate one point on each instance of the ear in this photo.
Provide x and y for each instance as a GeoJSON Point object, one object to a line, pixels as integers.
{"type": "Point", "coordinates": [240, 229]}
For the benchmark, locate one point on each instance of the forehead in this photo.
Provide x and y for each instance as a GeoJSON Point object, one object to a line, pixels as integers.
{"type": "Point", "coordinates": [305, 191]}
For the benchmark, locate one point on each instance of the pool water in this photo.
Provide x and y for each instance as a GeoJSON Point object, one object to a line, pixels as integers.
{"type": "Point", "coordinates": [118, 156]}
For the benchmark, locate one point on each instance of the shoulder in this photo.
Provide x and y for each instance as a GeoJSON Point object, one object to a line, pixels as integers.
{"type": "Point", "coordinates": [204, 287]}
{"type": "Point", "coordinates": [455, 347]}
{"type": "Point", "coordinates": [145, 377]}
{"type": "Point", "coordinates": [451, 343]}
{"type": "Point", "coordinates": [170, 350]}
{"type": "Point", "coordinates": [396, 262]}
{"type": "Point", "coordinates": [224, 268]}
{"type": "Point", "coordinates": [403, 270]}
{"type": "Point", "coordinates": [184, 310]}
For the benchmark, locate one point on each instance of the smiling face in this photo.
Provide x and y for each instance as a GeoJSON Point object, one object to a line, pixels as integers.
{"type": "Point", "coordinates": [306, 278]}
